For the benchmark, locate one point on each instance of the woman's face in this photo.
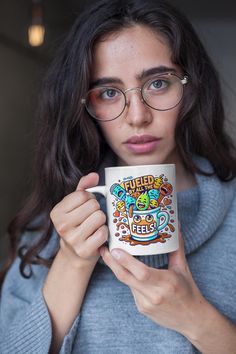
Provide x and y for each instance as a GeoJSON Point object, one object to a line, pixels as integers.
{"type": "Point", "coordinates": [141, 135]}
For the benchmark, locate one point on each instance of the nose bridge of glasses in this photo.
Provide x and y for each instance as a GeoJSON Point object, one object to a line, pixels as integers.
{"type": "Point", "coordinates": [137, 89]}
{"type": "Point", "coordinates": [133, 89]}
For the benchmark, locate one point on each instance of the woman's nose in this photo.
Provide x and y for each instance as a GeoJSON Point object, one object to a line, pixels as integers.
{"type": "Point", "coordinates": [137, 112]}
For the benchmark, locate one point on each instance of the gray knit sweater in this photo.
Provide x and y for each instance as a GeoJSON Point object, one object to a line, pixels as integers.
{"type": "Point", "coordinates": [109, 322]}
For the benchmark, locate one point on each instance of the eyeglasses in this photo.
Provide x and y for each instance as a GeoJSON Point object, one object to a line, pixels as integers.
{"type": "Point", "coordinates": [162, 92]}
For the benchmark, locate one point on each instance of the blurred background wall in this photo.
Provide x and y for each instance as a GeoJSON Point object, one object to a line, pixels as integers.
{"type": "Point", "coordinates": [22, 68]}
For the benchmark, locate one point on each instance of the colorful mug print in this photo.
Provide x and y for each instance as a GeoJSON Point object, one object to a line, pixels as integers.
{"type": "Point", "coordinates": [141, 208]}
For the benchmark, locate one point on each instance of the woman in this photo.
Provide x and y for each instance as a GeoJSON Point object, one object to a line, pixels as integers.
{"type": "Point", "coordinates": [59, 295]}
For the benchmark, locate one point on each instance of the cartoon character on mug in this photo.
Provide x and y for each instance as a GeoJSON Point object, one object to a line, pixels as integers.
{"type": "Point", "coordinates": [141, 204]}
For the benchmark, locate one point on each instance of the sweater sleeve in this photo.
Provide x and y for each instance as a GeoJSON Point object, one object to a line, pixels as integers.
{"type": "Point", "coordinates": [25, 324]}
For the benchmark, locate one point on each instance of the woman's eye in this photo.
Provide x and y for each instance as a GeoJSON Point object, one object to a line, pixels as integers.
{"type": "Point", "coordinates": [109, 94]}
{"type": "Point", "coordinates": [158, 84]}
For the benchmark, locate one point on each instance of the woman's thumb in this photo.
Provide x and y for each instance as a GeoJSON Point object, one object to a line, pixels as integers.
{"type": "Point", "coordinates": [90, 180]}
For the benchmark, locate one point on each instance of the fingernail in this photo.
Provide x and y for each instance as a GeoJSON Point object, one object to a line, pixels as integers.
{"type": "Point", "coordinates": [116, 254]}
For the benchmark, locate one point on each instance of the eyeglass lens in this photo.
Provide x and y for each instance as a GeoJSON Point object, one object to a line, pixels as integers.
{"type": "Point", "coordinates": [160, 93]}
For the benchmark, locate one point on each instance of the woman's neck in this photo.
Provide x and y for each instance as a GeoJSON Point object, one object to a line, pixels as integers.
{"type": "Point", "coordinates": [184, 179]}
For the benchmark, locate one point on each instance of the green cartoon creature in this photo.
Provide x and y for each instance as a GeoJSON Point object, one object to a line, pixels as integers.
{"type": "Point", "coordinates": [142, 202]}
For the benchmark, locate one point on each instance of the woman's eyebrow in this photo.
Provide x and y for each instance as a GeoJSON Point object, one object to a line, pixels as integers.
{"type": "Point", "coordinates": [154, 71]}
{"type": "Point", "coordinates": [105, 80]}
{"type": "Point", "coordinates": [145, 73]}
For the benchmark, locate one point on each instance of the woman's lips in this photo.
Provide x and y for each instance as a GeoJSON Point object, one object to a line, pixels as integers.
{"type": "Point", "coordinates": [142, 144]}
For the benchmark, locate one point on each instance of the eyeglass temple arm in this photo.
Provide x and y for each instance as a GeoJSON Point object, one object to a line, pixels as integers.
{"type": "Point", "coordinates": [184, 80]}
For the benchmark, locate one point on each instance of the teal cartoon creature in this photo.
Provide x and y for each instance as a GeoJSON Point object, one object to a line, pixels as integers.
{"type": "Point", "coordinates": [130, 204]}
{"type": "Point", "coordinates": [142, 202]}
{"type": "Point", "coordinates": [153, 195]}
{"type": "Point", "coordinates": [118, 191]}
{"type": "Point", "coordinates": [129, 200]}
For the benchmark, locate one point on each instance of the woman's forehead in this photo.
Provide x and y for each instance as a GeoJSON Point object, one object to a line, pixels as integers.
{"type": "Point", "coordinates": [130, 52]}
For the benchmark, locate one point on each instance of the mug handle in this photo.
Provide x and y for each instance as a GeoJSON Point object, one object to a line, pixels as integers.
{"type": "Point", "coordinates": [167, 218]}
{"type": "Point", "coordinates": [98, 189]}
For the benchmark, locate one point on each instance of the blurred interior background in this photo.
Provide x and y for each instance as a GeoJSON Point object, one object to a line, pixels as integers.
{"type": "Point", "coordinates": [22, 67]}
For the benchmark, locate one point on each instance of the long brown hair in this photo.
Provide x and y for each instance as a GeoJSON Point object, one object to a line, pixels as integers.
{"type": "Point", "coordinates": [69, 141]}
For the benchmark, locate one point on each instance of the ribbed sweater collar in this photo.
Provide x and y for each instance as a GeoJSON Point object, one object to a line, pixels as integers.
{"type": "Point", "coordinates": [202, 209]}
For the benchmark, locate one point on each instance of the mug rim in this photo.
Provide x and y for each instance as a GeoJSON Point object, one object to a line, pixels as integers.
{"type": "Point", "coordinates": [140, 166]}
{"type": "Point", "coordinates": [154, 210]}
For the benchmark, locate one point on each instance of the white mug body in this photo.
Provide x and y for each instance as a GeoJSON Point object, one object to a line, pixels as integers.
{"type": "Point", "coordinates": [141, 206]}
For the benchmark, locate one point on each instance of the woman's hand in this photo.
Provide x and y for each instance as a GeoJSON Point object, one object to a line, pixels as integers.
{"type": "Point", "coordinates": [80, 223]}
{"type": "Point", "coordinates": [81, 226]}
{"type": "Point", "coordinates": [168, 297]}
{"type": "Point", "coordinates": [172, 299]}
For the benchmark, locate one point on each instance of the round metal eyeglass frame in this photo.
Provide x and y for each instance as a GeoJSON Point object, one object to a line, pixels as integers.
{"type": "Point", "coordinates": [183, 81]}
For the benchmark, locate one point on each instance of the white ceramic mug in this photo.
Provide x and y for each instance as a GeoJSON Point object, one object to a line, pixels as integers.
{"type": "Point", "coordinates": [142, 208]}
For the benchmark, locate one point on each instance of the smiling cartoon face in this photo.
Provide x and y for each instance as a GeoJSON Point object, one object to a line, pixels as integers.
{"type": "Point", "coordinates": [166, 189]}
{"type": "Point", "coordinates": [142, 202]}
{"type": "Point", "coordinates": [120, 206]}
{"type": "Point", "coordinates": [158, 182]}
{"type": "Point", "coordinates": [153, 203]}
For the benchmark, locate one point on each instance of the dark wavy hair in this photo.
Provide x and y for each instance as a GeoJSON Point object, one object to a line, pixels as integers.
{"type": "Point", "coordinates": [69, 141]}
